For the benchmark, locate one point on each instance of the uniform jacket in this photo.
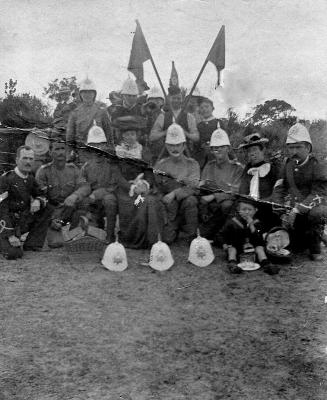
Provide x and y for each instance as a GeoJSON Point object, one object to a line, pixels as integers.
{"type": "Point", "coordinates": [58, 184]}
{"type": "Point", "coordinates": [184, 169]}
{"type": "Point", "coordinates": [99, 177]}
{"type": "Point", "coordinates": [310, 181]}
{"type": "Point", "coordinates": [226, 176]}
{"type": "Point", "coordinates": [20, 191]}
{"type": "Point", "coordinates": [81, 120]}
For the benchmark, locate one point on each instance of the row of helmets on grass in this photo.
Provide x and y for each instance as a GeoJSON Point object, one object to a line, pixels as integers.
{"type": "Point", "coordinates": [161, 259]}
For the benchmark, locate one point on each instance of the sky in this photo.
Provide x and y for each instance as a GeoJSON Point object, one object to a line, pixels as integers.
{"type": "Point", "coordinates": [274, 49]}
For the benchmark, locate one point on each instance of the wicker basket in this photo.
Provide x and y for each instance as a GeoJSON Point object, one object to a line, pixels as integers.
{"type": "Point", "coordinates": [85, 244]}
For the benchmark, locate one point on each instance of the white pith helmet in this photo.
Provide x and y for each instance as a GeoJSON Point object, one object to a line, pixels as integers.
{"type": "Point", "coordinates": [115, 258]}
{"type": "Point", "coordinates": [200, 253]}
{"type": "Point", "coordinates": [129, 87]}
{"type": "Point", "coordinates": [160, 256]}
{"type": "Point", "coordinates": [96, 134]}
{"type": "Point", "coordinates": [298, 133]}
{"type": "Point", "coordinates": [175, 134]}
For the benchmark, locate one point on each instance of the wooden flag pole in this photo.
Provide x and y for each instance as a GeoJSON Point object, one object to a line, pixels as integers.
{"type": "Point", "coordinates": [153, 64]}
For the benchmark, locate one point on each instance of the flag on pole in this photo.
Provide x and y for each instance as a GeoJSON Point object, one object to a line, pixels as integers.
{"type": "Point", "coordinates": [217, 53]}
{"type": "Point", "coordinates": [173, 81]}
{"type": "Point", "coordinates": [139, 54]}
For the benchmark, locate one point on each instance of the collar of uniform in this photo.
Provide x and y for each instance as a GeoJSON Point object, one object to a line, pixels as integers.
{"type": "Point", "coordinates": [304, 162]}
{"type": "Point", "coordinates": [20, 174]}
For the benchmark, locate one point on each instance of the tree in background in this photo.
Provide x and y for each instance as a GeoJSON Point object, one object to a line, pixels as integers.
{"type": "Point", "coordinates": [23, 110]}
{"type": "Point", "coordinates": [53, 88]}
{"type": "Point", "coordinates": [10, 87]}
{"type": "Point", "coordinates": [272, 110]}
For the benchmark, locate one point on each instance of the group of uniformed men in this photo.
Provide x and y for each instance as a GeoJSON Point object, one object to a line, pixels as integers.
{"type": "Point", "coordinates": [160, 169]}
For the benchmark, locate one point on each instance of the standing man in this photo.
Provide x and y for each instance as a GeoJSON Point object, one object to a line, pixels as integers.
{"type": "Point", "coordinates": [60, 181]}
{"type": "Point", "coordinates": [63, 109]}
{"type": "Point", "coordinates": [22, 208]}
{"type": "Point", "coordinates": [87, 115]}
{"type": "Point", "coordinates": [219, 174]}
{"type": "Point", "coordinates": [178, 188]}
{"type": "Point", "coordinates": [303, 185]}
{"type": "Point", "coordinates": [130, 106]}
{"type": "Point", "coordinates": [206, 127]}
{"type": "Point", "coordinates": [174, 114]}
{"type": "Point", "coordinates": [193, 106]}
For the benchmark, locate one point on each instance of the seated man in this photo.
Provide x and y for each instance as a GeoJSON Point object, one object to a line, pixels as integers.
{"type": "Point", "coordinates": [219, 175]}
{"type": "Point", "coordinates": [60, 182]}
{"type": "Point", "coordinates": [178, 187]}
{"type": "Point", "coordinates": [165, 119]}
{"type": "Point", "coordinates": [22, 208]}
{"type": "Point", "coordinates": [100, 176]}
{"type": "Point", "coordinates": [303, 186]}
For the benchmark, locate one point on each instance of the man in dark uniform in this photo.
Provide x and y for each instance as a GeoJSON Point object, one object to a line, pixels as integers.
{"type": "Point", "coordinates": [60, 182]}
{"type": "Point", "coordinates": [130, 105]}
{"type": "Point", "coordinates": [22, 208]}
{"type": "Point", "coordinates": [303, 186]}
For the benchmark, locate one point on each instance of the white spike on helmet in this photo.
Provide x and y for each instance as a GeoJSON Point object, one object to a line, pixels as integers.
{"type": "Point", "coordinates": [219, 138]}
{"type": "Point", "coordinates": [175, 134]}
{"type": "Point", "coordinates": [96, 134]}
{"type": "Point", "coordinates": [115, 258]}
{"type": "Point", "coordinates": [129, 87]}
{"type": "Point", "coordinates": [200, 253]}
{"type": "Point", "coordinates": [160, 256]}
{"type": "Point", "coordinates": [87, 84]}
{"type": "Point", "coordinates": [155, 93]}
{"type": "Point", "coordinates": [298, 133]}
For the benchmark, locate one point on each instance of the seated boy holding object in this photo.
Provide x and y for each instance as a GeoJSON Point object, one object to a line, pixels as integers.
{"type": "Point", "coordinates": [244, 242]}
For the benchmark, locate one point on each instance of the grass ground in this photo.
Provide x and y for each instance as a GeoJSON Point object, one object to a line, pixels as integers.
{"type": "Point", "coordinates": [73, 330]}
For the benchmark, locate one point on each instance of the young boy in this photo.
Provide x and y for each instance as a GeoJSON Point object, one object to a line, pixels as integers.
{"type": "Point", "coordinates": [241, 231]}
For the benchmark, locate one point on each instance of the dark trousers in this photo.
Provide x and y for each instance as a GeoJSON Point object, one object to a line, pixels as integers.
{"type": "Point", "coordinates": [308, 230]}
{"type": "Point", "coordinates": [213, 216]}
{"type": "Point", "coordinates": [36, 224]}
{"type": "Point", "coordinates": [181, 215]}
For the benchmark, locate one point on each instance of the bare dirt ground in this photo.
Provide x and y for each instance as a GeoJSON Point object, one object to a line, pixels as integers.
{"type": "Point", "coordinates": [73, 330]}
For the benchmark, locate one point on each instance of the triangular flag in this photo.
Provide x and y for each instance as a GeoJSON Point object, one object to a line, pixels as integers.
{"type": "Point", "coordinates": [173, 81]}
{"type": "Point", "coordinates": [217, 52]}
{"type": "Point", "coordinates": [139, 54]}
